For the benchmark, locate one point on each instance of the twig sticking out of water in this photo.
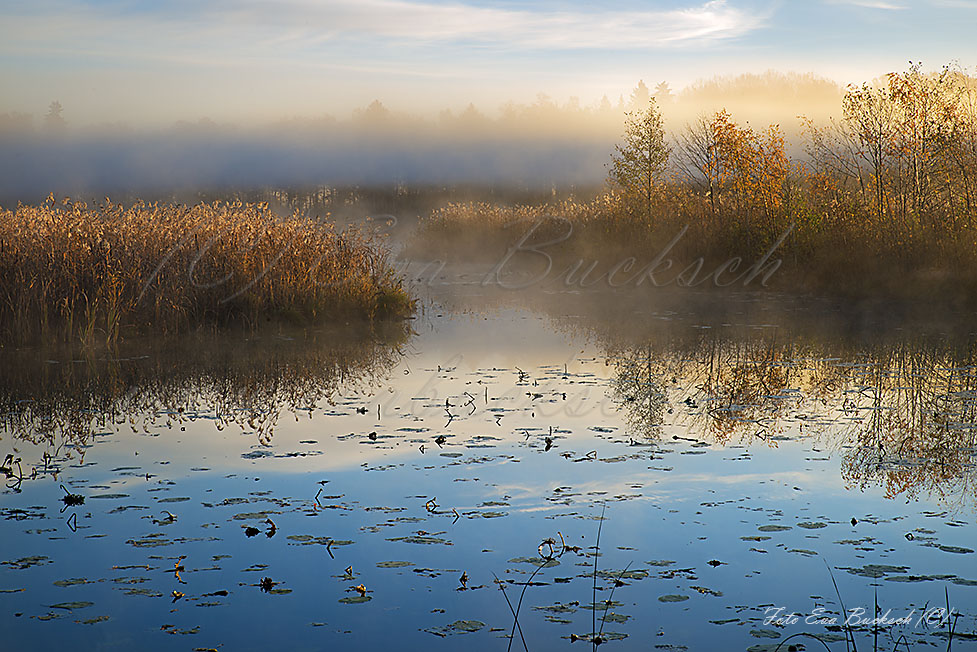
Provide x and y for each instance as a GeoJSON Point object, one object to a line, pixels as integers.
{"type": "Point", "coordinates": [593, 612]}
{"type": "Point", "coordinates": [522, 594]}
{"type": "Point", "coordinates": [849, 636]}
{"type": "Point", "coordinates": [607, 604]}
{"type": "Point", "coordinates": [951, 627]}
{"type": "Point", "coordinates": [804, 634]}
{"type": "Point", "coordinates": [515, 615]}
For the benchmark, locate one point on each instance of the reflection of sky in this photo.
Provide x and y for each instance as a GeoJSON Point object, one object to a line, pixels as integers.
{"type": "Point", "coordinates": [676, 501]}
{"type": "Point", "coordinates": [680, 516]}
{"type": "Point", "coordinates": [139, 60]}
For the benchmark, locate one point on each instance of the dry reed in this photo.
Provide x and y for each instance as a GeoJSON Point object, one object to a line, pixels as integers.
{"type": "Point", "coordinates": [68, 270]}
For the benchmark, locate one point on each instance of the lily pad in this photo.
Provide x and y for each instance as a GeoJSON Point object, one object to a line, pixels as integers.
{"type": "Point", "coordinates": [625, 575]}
{"type": "Point", "coordinates": [674, 597]}
{"type": "Point", "coordinates": [92, 621]}
{"type": "Point", "coordinates": [617, 618]}
{"type": "Point", "coordinates": [764, 633]}
{"type": "Point", "coordinates": [355, 599]}
{"type": "Point", "coordinates": [26, 562]}
{"type": "Point", "coordinates": [467, 625]}
{"type": "Point", "coordinates": [457, 627]}
{"type": "Point", "coordinates": [955, 549]}
{"type": "Point", "coordinates": [535, 561]}
{"type": "Point", "coordinates": [421, 540]}
{"type": "Point", "coordinates": [81, 604]}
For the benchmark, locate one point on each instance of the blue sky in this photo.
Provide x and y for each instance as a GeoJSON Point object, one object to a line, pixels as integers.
{"type": "Point", "coordinates": [155, 62]}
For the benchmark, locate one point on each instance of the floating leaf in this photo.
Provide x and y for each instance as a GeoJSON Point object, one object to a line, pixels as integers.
{"type": "Point", "coordinates": [673, 598]}
{"type": "Point", "coordinates": [72, 605]}
{"type": "Point", "coordinates": [355, 599]}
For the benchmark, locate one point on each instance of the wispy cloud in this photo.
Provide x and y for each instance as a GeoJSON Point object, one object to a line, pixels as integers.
{"type": "Point", "coordinates": [871, 4]}
{"type": "Point", "coordinates": [302, 24]}
{"type": "Point", "coordinates": [537, 29]}
{"type": "Point", "coordinates": [956, 4]}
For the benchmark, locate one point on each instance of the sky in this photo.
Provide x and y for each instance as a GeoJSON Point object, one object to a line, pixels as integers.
{"type": "Point", "coordinates": [150, 62]}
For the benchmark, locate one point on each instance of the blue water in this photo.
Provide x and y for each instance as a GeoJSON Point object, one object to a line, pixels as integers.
{"type": "Point", "coordinates": [537, 444]}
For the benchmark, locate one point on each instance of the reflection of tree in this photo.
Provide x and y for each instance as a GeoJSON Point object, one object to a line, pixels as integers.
{"type": "Point", "coordinates": [639, 386]}
{"type": "Point", "coordinates": [918, 420]}
{"type": "Point", "coordinates": [903, 414]}
{"type": "Point", "coordinates": [900, 409]}
{"type": "Point", "coordinates": [740, 386]}
{"type": "Point", "coordinates": [722, 387]}
{"type": "Point", "coordinates": [59, 400]}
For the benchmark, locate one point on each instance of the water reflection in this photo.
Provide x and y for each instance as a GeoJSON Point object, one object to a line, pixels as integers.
{"type": "Point", "coordinates": [900, 411]}
{"type": "Point", "coordinates": [709, 459]}
{"type": "Point", "coordinates": [54, 403]}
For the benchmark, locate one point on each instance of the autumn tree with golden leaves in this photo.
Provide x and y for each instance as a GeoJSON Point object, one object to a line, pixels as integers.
{"type": "Point", "coordinates": [639, 164]}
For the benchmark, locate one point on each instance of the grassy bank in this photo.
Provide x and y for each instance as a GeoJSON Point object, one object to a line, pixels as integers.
{"type": "Point", "coordinates": [69, 270]}
{"type": "Point", "coordinates": [845, 255]}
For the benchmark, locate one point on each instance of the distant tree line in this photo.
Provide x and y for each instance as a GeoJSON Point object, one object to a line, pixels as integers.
{"type": "Point", "coordinates": [768, 95]}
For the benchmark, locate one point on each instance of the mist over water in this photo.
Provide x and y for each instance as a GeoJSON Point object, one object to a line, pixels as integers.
{"type": "Point", "coordinates": [548, 143]}
{"type": "Point", "coordinates": [154, 164]}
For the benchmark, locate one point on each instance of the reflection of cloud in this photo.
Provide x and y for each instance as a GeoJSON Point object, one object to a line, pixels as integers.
{"type": "Point", "coordinates": [262, 25]}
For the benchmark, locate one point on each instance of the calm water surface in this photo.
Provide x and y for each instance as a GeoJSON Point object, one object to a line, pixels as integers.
{"type": "Point", "coordinates": [412, 489]}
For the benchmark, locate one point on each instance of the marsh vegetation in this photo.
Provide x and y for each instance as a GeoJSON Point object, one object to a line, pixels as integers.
{"type": "Point", "coordinates": [881, 202]}
{"type": "Point", "coordinates": [71, 270]}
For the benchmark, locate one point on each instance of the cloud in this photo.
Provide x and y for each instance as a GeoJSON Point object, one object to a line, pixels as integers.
{"type": "Point", "coordinates": [956, 4]}
{"type": "Point", "coordinates": [871, 4]}
{"type": "Point", "coordinates": [264, 26]}
{"type": "Point", "coordinates": [526, 28]}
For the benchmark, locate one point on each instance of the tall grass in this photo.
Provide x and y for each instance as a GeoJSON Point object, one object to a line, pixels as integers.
{"type": "Point", "coordinates": [69, 270]}
{"type": "Point", "coordinates": [834, 246]}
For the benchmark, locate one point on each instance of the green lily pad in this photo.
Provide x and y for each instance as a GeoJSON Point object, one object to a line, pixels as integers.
{"type": "Point", "coordinates": [764, 633]}
{"type": "Point", "coordinates": [72, 605]}
{"type": "Point", "coordinates": [467, 625]}
{"type": "Point", "coordinates": [535, 561]}
{"type": "Point", "coordinates": [673, 598]}
{"type": "Point", "coordinates": [355, 599]}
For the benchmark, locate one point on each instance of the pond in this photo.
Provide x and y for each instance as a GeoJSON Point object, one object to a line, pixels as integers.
{"type": "Point", "coordinates": [524, 472]}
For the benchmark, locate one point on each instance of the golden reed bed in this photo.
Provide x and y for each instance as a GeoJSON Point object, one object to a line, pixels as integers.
{"type": "Point", "coordinates": [72, 270]}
